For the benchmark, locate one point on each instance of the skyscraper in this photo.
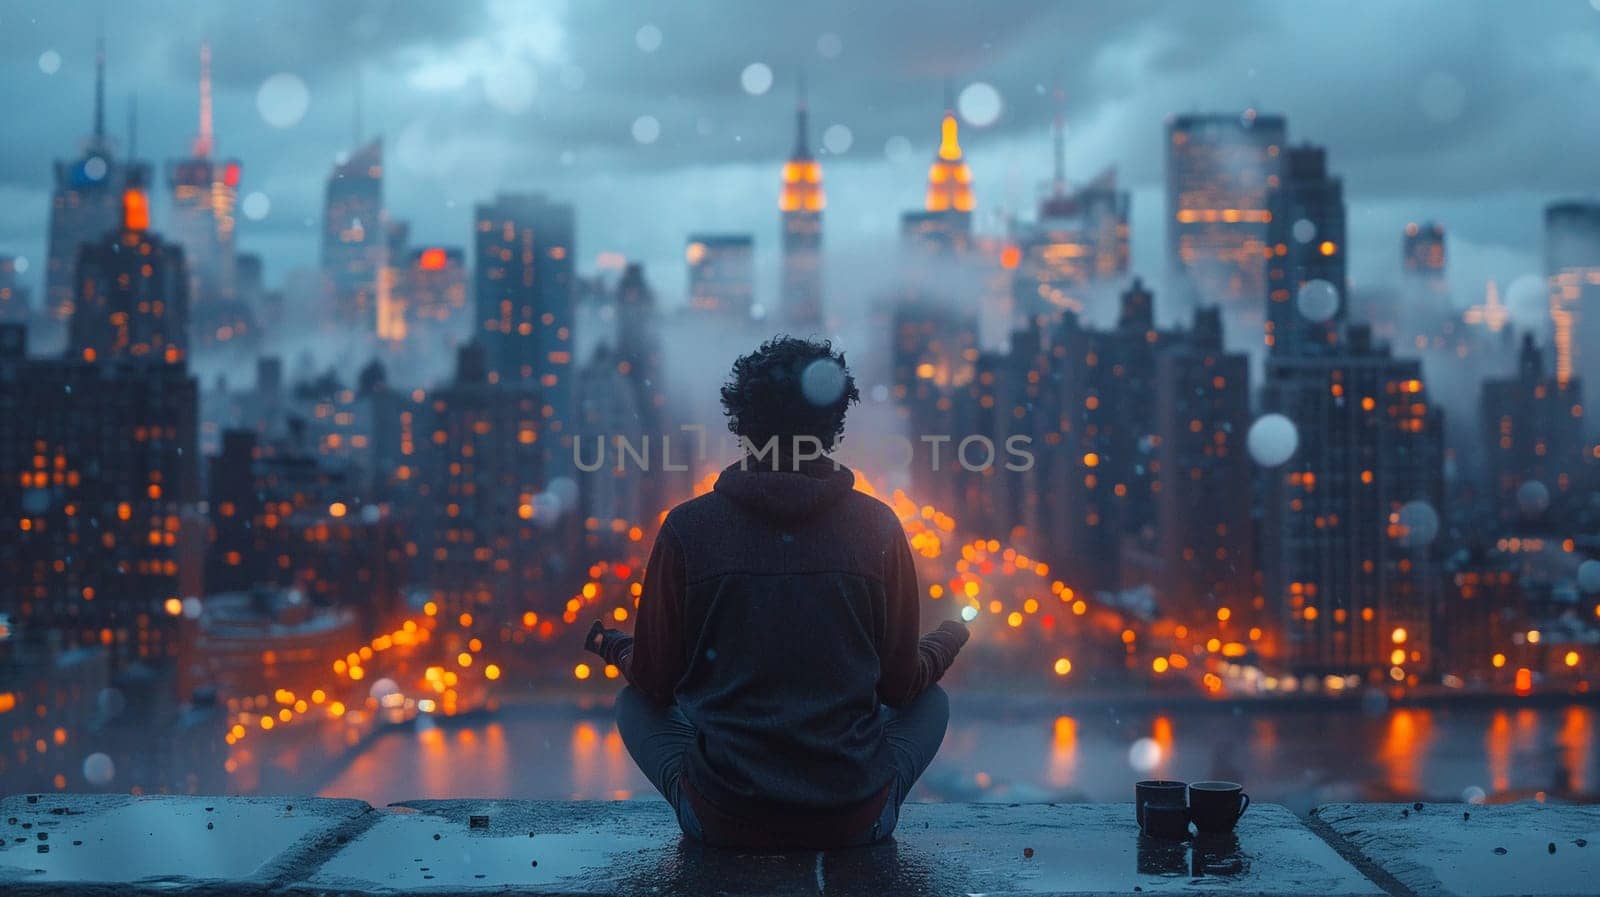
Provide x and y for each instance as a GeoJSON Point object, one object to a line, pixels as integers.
{"type": "Point", "coordinates": [1219, 169]}
{"type": "Point", "coordinates": [1204, 533]}
{"type": "Point", "coordinates": [1307, 288]}
{"type": "Point", "coordinates": [944, 225]}
{"type": "Point", "coordinates": [1423, 258]}
{"type": "Point", "coordinates": [354, 239]}
{"type": "Point", "coordinates": [133, 291]}
{"type": "Point", "coordinates": [1572, 266]}
{"type": "Point", "coordinates": [934, 355]}
{"type": "Point", "coordinates": [204, 194]}
{"type": "Point", "coordinates": [524, 294]}
{"type": "Point", "coordinates": [1079, 241]}
{"type": "Point", "coordinates": [801, 202]}
{"type": "Point", "coordinates": [1098, 409]}
{"type": "Point", "coordinates": [638, 351]}
{"type": "Point", "coordinates": [481, 455]}
{"type": "Point", "coordinates": [608, 410]}
{"type": "Point", "coordinates": [103, 460]}
{"type": "Point", "coordinates": [722, 273]}
{"type": "Point", "coordinates": [85, 205]}
{"type": "Point", "coordinates": [1532, 432]}
{"type": "Point", "coordinates": [280, 515]}
{"type": "Point", "coordinates": [1350, 519]}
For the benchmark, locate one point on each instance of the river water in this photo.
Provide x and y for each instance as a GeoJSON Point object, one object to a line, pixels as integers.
{"type": "Point", "coordinates": [1299, 757]}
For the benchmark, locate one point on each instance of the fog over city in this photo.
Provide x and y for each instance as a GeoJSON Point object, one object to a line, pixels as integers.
{"type": "Point", "coordinates": [1468, 112]}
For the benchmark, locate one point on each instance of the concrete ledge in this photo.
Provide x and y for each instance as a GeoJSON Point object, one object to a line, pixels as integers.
{"type": "Point", "coordinates": [81, 845]}
{"type": "Point", "coordinates": [635, 848]}
{"type": "Point", "coordinates": [1466, 850]}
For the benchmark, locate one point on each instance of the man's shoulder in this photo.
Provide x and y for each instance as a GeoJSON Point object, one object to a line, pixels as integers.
{"type": "Point", "coordinates": [866, 512]}
{"type": "Point", "coordinates": [869, 509]}
{"type": "Point", "coordinates": [699, 508]}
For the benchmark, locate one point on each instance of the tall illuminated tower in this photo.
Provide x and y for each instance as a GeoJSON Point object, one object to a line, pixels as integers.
{"type": "Point", "coordinates": [1306, 239]}
{"type": "Point", "coordinates": [1423, 256]}
{"type": "Point", "coordinates": [1572, 266]}
{"type": "Point", "coordinates": [85, 205]}
{"type": "Point", "coordinates": [1220, 169]}
{"type": "Point", "coordinates": [133, 290]}
{"type": "Point", "coordinates": [354, 238]}
{"type": "Point", "coordinates": [722, 275]}
{"type": "Point", "coordinates": [524, 294]}
{"type": "Point", "coordinates": [945, 224]}
{"type": "Point", "coordinates": [949, 178]}
{"type": "Point", "coordinates": [204, 194]}
{"type": "Point", "coordinates": [801, 202]}
{"type": "Point", "coordinates": [1078, 242]}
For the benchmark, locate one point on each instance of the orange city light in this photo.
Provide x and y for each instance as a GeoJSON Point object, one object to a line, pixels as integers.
{"type": "Point", "coordinates": [135, 209]}
{"type": "Point", "coordinates": [432, 259]}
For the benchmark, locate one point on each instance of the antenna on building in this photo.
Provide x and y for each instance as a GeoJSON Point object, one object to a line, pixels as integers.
{"type": "Point", "coordinates": [100, 88]}
{"type": "Point", "coordinates": [357, 117]}
{"type": "Point", "coordinates": [1058, 184]}
{"type": "Point", "coordinates": [802, 113]}
{"type": "Point", "coordinates": [203, 143]}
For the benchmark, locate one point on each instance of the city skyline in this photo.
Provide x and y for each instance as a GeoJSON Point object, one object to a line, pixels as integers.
{"type": "Point", "coordinates": [1271, 455]}
{"type": "Point", "coordinates": [1444, 148]}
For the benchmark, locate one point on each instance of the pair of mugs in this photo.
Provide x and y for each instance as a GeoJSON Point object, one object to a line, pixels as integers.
{"type": "Point", "coordinates": [1166, 808]}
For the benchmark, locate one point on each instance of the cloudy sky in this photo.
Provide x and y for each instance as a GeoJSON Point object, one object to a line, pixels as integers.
{"type": "Point", "coordinates": [1468, 111]}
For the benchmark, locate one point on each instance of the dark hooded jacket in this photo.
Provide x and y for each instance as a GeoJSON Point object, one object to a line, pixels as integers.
{"type": "Point", "coordinates": [778, 612]}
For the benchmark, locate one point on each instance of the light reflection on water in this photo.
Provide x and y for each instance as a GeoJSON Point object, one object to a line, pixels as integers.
{"type": "Point", "coordinates": [1297, 757]}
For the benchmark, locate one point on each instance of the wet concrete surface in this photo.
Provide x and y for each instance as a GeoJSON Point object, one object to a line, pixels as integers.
{"type": "Point", "coordinates": [1096, 849]}
{"type": "Point", "coordinates": [126, 846]}
{"type": "Point", "coordinates": [635, 848]}
{"type": "Point", "coordinates": [94, 844]}
{"type": "Point", "coordinates": [1468, 850]}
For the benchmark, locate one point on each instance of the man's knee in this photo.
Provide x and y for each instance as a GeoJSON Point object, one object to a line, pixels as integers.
{"type": "Point", "coordinates": [632, 710]}
{"type": "Point", "coordinates": [933, 704]}
{"type": "Point", "coordinates": [627, 697]}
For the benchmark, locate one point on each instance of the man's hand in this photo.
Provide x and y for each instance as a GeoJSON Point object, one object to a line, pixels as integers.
{"type": "Point", "coordinates": [938, 649]}
{"type": "Point", "coordinates": [606, 643]}
{"type": "Point", "coordinates": [957, 630]}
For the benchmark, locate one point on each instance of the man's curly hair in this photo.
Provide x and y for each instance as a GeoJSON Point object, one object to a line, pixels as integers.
{"type": "Point", "coordinates": [789, 387]}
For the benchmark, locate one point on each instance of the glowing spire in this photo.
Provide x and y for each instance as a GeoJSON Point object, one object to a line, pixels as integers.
{"type": "Point", "coordinates": [949, 139]}
{"type": "Point", "coordinates": [203, 143]}
{"type": "Point", "coordinates": [802, 174]}
{"type": "Point", "coordinates": [949, 178]}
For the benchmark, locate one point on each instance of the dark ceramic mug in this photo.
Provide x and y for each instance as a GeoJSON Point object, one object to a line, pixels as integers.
{"type": "Point", "coordinates": [1216, 807]}
{"type": "Point", "coordinates": [1163, 794]}
{"type": "Point", "coordinates": [1166, 821]}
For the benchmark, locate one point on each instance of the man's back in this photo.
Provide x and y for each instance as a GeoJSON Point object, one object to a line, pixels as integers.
{"type": "Point", "coordinates": [786, 610]}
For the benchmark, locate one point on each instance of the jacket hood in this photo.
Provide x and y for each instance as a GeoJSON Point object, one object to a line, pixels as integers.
{"type": "Point", "coordinates": [792, 492]}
